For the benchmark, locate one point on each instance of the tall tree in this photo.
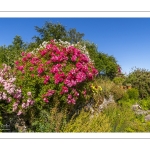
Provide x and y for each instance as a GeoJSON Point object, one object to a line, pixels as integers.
{"type": "Point", "coordinates": [75, 36]}
{"type": "Point", "coordinates": [50, 31]}
{"type": "Point", "coordinates": [18, 43]}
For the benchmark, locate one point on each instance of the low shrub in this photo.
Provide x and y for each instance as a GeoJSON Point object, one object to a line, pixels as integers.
{"type": "Point", "coordinates": [133, 93]}
{"type": "Point", "coordinates": [85, 122]}
{"type": "Point", "coordinates": [118, 80]}
{"type": "Point", "coordinates": [53, 120]}
{"type": "Point", "coordinates": [117, 92]}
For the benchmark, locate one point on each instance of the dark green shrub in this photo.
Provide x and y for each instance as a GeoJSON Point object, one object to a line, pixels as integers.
{"type": "Point", "coordinates": [140, 80]}
{"type": "Point", "coordinates": [53, 120]}
{"type": "Point", "coordinates": [133, 93]}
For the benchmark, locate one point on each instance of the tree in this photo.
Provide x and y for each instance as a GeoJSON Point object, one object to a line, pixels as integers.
{"type": "Point", "coordinates": [103, 62]}
{"type": "Point", "coordinates": [11, 52]}
{"type": "Point", "coordinates": [75, 36]}
{"type": "Point", "coordinates": [50, 31]}
{"type": "Point", "coordinates": [18, 43]}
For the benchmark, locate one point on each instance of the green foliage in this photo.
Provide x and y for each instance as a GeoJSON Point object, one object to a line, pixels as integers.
{"type": "Point", "coordinates": [125, 101]}
{"type": "Point", "coordinates": [140, 80]}
{"type": "Point", "coordinates": [133, 93]}
{"type": "Point", "coordinates": [145, 103]}
{"type": "Point", "coordinates": [50, 31]}
{"type": "Point", "coordinates": [12, 52]}
{"type": "Point", "coordinates": [123, 119]}
{"type": "Point", "coordinates": [106, 85]}
{"type": "Point", "coordinates": [118, 80]}
{"type": "Point", "coordinates": [103, 62]}
{"type": "Point", "coordinates": [117, 92]}
{"type": "Point", "coordinates": [57, 31]}
{"type": "Point", "coordinates": [85, 122]}
{"type": "Point", "coordinates": [53, 120]}
{"type": "Point", "coordinates": [74, 36]}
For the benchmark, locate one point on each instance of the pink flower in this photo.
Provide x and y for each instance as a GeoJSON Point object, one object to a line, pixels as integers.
{"type": "Point", "coordinates": [29, 55]}
{"type": "Point", "coordinates": [48, 46]}
{"type": "Point", "coordinates": [15, 105]}
{"type": "Point", "coordinates": [46, 100]}
{"type": "Point", "coordinates": [20, 68]}
{"type": "Point", "coordinates": [73, 58]}
{"type": "Point", "coordinates": [40, 70]}
{"type": "Point", "coordinates": [64, 90]}
{"type": "Point", "coordinates": [84, 92]}
{"type": "Point", "coordinates": [31, 102]}
{"type": "Point", "coordinates": [9, 99]}
{"type": "Point", "coordinates": [24, 59]}
{"type": "Point", "coordinates": [46, 79]}
{"type": "Point", "coordinates": [81, 77]}
{"type": "Point", "coordinates": [19, 113]}
{"type": "Point", "coordinates": [75, 93]}
{"type": "Point", "coordinates": [43, 52]}
{"type": "Point", "coordinates": [4, 96]}
{"type": "Point", "coordinates": [23, 53]}
{"type": "Point", "coordinates": [31, 68]}
{"type": "Point", "coordinates": [56, 68]}
{"type": "Point", "coordinates": [50, 93]}
{"type": "Point", "coordinates": [71, 100]}
{"type": "Point", "coordinates": [48, 62]}
{"type": "Point", "coordinates": [29, 93]}
{"type": "Point", "coordinates": [16, 62]}
{"type": "Point", "coordinates": [59, 77]}
{"type": "Point", "coordinates": [23, 105]}
{"type": "Point", "coordinates": [54, 58]}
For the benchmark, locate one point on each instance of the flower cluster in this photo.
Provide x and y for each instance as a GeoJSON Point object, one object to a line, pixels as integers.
{"type": "Point", "coordinates": [96, 89]}
{"type": "Point", "coordinates": [10, 92]}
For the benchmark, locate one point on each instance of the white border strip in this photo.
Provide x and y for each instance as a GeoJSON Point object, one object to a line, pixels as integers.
{"type": "Point", "coordinates": [74, 14]}
{"type": "Point", "coordinates": [75, 136]}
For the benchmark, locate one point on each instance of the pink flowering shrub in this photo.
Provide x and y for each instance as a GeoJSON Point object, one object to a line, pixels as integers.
{"type": "Point", "coordinates": [53, 72]}
{"type": "Point", "coordinates": [8, 90]}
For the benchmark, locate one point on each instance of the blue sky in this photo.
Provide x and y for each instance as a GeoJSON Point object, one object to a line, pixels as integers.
{"type": "Point", "coordinates": [127, 39]}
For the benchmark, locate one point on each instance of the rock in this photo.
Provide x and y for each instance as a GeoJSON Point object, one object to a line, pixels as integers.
{"type": "Point", "coordinates": [147, 117]}
{"type": "Point", "coordinates": [106, 102]}
{"type": "Point", "coordinates": [141, 112]}
{"type": "Point", "coordinates": [136, 107]}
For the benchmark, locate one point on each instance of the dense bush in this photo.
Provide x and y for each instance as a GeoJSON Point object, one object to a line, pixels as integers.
{"type": "Point", "coordinates": [140, 80]}
{"type": "Point", "coordinates": [133, 93]}
{"type": "Point", "coordinates": [118, 80]}
{"type": "Point", "coordinates": [52, 120]}
{"type": "Point", "coordinates": [56, 71]}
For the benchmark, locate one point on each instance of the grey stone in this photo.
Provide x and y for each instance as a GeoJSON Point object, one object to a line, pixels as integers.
{"type": "Point", "coordinates": [147, 118]}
